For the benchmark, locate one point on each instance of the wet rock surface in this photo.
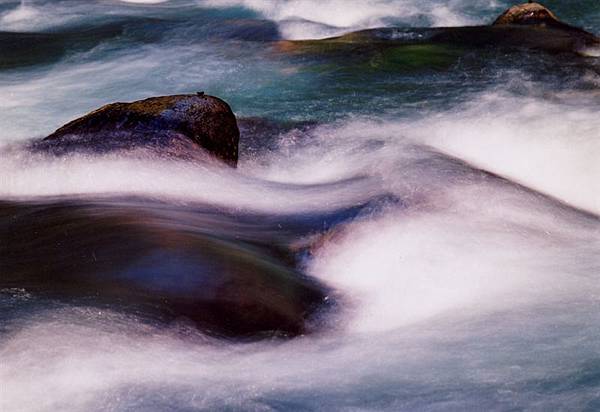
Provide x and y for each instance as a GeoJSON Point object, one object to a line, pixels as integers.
{"type": "Point", "coordinates": [182, 126]}
{"type": "Point", "coordinates": [528, 13]}
{"type": "Point", "coordinates": [171, 262]}
{"type": "Point", "coordinates": [526, 26]}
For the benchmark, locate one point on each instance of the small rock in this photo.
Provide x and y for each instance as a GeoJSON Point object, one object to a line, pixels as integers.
{"type": "Point", "coordinates": [528, 13]}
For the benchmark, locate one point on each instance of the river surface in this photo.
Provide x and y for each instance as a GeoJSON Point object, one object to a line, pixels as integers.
{"type": "Point", "coordinates": [450, 199]}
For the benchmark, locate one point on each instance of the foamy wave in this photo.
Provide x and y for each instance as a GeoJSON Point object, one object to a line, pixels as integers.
{"type": "Point", "coordinates": [26, 176]}
{"type": "Point", "coordinates": [467, 242]}
{"type": "Point", "coordinates": [19, 15]}
{"type": "Point", "coordinates": [324, 18]}
{"type": "Point", "coordinates": [551, 147]}
{"type": "Point", "coordinates": [25, 17]}
{"type": "Point", "coordinates": [481, 251]}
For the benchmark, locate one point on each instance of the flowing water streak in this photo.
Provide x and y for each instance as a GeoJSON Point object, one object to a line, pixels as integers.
{"type": "Point", "coordinates": [305, 19]}
{"type": "Point", "coordinates": [437, 273]}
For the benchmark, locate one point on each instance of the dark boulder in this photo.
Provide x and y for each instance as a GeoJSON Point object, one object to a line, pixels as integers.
{"type": "Point", "coordinates": [161, 262]}
{"type": "Point", "coordinates": [528, 13]}
{"type": "Point", "coordinates": [542, 20]}
{"type": "Point", "coordinates": [182, 125]}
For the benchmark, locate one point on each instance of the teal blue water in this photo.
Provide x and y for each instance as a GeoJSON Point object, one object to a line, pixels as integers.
{"type": "Point", "coordinates": [132, 51]}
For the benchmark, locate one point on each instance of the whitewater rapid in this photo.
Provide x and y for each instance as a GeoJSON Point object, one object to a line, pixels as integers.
{"type": "Point", "coordinates": [467, 274]}
{"type": "Point", "coordinates": [466, 267]}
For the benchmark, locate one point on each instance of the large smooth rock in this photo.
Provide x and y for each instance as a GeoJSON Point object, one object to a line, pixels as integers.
{"type": "Point", "coordinates": [230, 278]}
{"type": "Point", "coordinates": [178, 125]}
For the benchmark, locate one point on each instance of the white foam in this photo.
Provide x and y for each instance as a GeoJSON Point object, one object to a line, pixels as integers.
{"type": "Point", "coordinates": [25, 176]}
{"type": "Point", "coordinates": [21, 13]}
{"type": "Point", "coordinates": [29, 16]}
{"type": "Point", "coordinates": [467, 242]}
{"type": "Point", "coordinates": [322, 16]}
{"type": "Point", "coordinates": [457, 285]}
{"type": "Point", "coordinates": [551, 147]}
{"type": "Point", "coordinates": [480, 252]}
{"type": "Point", "coordinates": [19, 18]}
{"type": "Point", "coordinates": [513, 287]}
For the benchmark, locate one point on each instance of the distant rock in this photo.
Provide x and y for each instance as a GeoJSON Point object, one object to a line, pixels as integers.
{"type": "Point", "coordinates": [540, 18]}
{"type": "Point", "coordinates": [525, 26]}
{"type": "Point", "coordinates": [183, 126]}
{"type": "Point", "coordinates": [528, 13]}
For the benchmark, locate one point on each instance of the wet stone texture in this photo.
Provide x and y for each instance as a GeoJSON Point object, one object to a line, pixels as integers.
{"type": "Point", "coordinates": [183, 126]}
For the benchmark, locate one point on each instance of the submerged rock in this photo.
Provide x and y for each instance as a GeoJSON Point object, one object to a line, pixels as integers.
{"type": "Point", "coordinates": [247, 30]}
{"type": "Point", "coordinates": [22, 49]}
{"type": "Point", "coordinates": [179, 125]}
{"type": "Point", "coordinates": [158, 260]}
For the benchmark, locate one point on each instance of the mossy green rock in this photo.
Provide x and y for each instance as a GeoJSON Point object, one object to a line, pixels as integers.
{"type": "Point", "coordinates": [526, 26]}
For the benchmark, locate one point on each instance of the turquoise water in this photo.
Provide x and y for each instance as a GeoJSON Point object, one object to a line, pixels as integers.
{"type": "Point", "coordinates": [454, 193]}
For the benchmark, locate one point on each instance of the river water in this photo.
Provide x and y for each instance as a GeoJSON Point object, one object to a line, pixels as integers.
{"type": "Point", "coordinates": [454, 194]}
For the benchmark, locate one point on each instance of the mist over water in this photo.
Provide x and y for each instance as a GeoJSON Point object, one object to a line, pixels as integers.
{"type": "Point", "coordinates": [449, 199]}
